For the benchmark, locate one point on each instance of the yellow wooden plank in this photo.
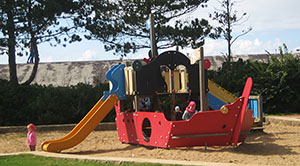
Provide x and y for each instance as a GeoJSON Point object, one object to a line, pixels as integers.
{"type": "Point", "coordinates": [176, 80]}
{"type": "Point", "coordinates": [220, 92]}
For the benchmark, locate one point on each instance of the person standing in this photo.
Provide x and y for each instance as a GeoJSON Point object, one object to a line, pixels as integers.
{"type": "Point", "coordinates": [31, 136]}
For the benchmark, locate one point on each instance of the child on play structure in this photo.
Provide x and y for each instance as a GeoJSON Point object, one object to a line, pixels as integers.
{"type": "Point", "coordinates": [189, 111]}
{"type": "Point", "coordinates": [144, 103]}
{"type": "Point", "coordinates": [31, 136]}
{"type": "Point", "coordinates": [178, 113]}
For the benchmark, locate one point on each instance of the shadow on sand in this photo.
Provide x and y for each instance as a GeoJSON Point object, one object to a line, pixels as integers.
{"type": "Point", "coordinates": [257, 143]}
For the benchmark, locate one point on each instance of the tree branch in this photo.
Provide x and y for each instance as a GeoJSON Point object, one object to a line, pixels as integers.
{"type": "Point", "coordinates": [242, 34]}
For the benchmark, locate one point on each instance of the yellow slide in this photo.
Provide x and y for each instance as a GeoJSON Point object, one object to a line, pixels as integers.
{"type": "Point", "coordinates": [220, 93]}
{"type": "Point", "coordinates": [84, 127]}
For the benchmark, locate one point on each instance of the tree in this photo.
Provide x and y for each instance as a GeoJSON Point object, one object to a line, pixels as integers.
{"type": "Point", "coordinates": [121, 26]}
{"type": "Point", "coordinates": [26, 23]}
{"type": "Point", "coordinates": [227, 19]}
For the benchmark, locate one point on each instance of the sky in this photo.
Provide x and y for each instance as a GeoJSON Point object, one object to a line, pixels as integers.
{"type": "Point", "coordinates": [273, 23]}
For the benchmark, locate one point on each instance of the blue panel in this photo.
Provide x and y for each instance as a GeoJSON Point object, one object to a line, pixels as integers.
{"type": "Point", "coordinates": [214, 103]}
{"type": "Point", "coordinates": [253, 105]}
{"type": "Point", "coordinates": [116, 76]}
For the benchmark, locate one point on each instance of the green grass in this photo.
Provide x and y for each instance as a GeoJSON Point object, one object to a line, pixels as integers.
{"type": "Point", "coordinates": [32, 160]}
{"type": "Point", "coordinates": [9, 137]}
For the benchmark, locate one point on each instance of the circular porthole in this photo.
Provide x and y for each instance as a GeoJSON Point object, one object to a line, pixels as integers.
{"type": "Point", "coordinates": [146, 129]}
{"type": "Point", "coordinates": [224, 126]}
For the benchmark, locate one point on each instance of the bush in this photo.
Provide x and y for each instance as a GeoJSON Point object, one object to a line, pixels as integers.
{"type": "Point", "coordinates": [21, 104]}
{"type": "Point", "coordinates": [276, 81]}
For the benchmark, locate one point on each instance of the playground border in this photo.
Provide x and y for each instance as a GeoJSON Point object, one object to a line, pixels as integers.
{"type": "Point", "coordinates": [58, 127]}
{"type": "Point", "coordinates": [120, 160]}
{"type": "Point", "coordinates": [285, 120]}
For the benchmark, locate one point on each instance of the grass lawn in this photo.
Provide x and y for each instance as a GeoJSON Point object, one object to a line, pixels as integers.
{"type": "Point", "coordinates": [32, 160]}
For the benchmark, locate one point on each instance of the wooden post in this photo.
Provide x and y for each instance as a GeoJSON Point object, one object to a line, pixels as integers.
{"type": "Point", "coordinates": [172, 87]}
{"type": "Point", "coordinates": [203, 93]}
{"type": "Point", "coordinates": [152, 37]}
{"type": "Point", "coordinates": [136, 98]}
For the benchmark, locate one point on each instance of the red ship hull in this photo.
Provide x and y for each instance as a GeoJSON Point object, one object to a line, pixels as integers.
{"type": "Point", "coordinates": [207, 128]}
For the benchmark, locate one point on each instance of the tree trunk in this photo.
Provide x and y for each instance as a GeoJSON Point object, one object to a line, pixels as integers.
{"type": "Point", "coordinates": [229, 37]}
{"type": "Point", "coordinates": [229, 50]}
{"type": "Point", "coordinates": [33, 43]}
{"type": "Point", "coordinates": [11, 46]}
{"type": "Point", "coordinates": [36, 62]}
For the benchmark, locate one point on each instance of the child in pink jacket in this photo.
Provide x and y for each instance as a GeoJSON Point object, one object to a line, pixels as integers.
{"type": "Point", "coordinates": [31, 136]}
{"type": "Point", "coordinates": [189, 111]}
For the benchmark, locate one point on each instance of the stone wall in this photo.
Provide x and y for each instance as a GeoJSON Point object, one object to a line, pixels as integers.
{"type": "Point", "coordinates": [63, 73]}
{"type": "Point", "coordinates": [91, 72]}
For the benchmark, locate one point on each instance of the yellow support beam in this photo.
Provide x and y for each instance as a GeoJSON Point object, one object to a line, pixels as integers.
{"type": "Point", "coordinates": [129, 80]}
{"type": "Point", "coordinates": [220, 92]}
{"type": "Point", "coordinates": [176, 80]}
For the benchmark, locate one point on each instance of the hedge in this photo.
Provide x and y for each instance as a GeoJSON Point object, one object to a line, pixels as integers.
{"type": "Point", "coordinates": [277, 81]}
{"type": "Point", "coordinates": [21, 104]}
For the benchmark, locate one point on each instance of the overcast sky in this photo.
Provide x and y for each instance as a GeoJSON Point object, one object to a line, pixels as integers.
{"type": "Point", "coordinates": [273, 23]}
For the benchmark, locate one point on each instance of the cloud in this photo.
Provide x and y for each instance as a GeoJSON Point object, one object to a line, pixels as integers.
{"type": "Point", "coordinates": [256, 46]}
{"type": "Point", "coordinates": [296, 50]}
{"type": "Point", "coordinates": [214, 47]}
{"type": "Point", "coordinates": [219, 48]}
{"type": "Point", "coordinates": [241, 47]}
{"type": "Point", "coordinates": [88, 55]}
{"type": "Point", "coordinates": [264, 15]}
{"type": "Point", "coordinates": [271, 15]}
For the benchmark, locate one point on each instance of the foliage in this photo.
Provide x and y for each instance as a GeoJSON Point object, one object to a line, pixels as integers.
{"type": "Point", "coordinates": [41, 17]}
{"type": "Point", "coordinates": [26, 23]}
{"type": "Point", "coordinates": [228, 18]}
{"type": "Point", "coordinates": [120, 24]}
{"type": "Point", "coordinates": [21, 104]}
{"type": "Point", "coordinates": [29, 160]}
{"type": "Point", "coordinates": [276, 81]}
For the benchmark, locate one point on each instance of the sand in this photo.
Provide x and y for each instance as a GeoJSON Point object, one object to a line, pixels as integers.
{"type": "Point", "coordinates": [276, 145]}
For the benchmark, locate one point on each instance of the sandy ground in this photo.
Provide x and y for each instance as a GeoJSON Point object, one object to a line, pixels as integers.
{"type": "Point", "coordinates": [277, 145]}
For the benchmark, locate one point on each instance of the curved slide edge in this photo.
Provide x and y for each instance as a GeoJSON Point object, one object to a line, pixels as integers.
{"type": "Point", "coordinates": [84, 127]}
{"type": "Point", "coordinates": [95, 115]}
{"type": "Point", "coordinates": [77, 127]}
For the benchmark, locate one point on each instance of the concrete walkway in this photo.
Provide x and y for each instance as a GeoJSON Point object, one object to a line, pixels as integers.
{"type": "Point", "coordinates": [120, 160]}
{"type": "Point", "coordinates": [291, 120]}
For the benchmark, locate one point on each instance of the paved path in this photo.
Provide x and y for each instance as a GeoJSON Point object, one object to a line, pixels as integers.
{"type": "Point", "coordinates": [125, 159]}
{"type": "Point", "coordinates": [291, 120]}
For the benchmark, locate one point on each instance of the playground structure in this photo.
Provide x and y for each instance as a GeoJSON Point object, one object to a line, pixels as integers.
{"type": "Point", "coordinates": [167, 76]}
